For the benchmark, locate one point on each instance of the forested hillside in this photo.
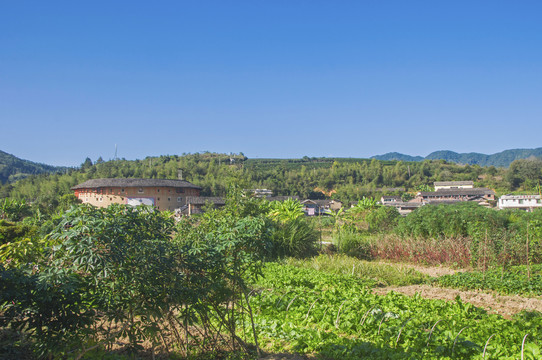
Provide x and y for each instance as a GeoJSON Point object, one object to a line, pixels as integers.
{"type": "Point", "coordinates": [12, 168]}
{"type": "Point", "coordinates": [340, 178]}
{"type": "Point", "coordinates": [501, 159]}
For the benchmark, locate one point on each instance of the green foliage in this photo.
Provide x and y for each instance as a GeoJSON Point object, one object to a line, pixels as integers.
{"type": "Point", "coordinates": [296, 238]}
{"type": "Point", "coordinates": [346, 179]}
{"type": "Point", "coordinates": [337, 316]}
{"type": "Point", "coordinates": [353, 243]}
{"type": "Point", "coordinates": [363, 204]}
{"type": "Point", "coordinates": [285, 211]}
{"type": "Point", "coordinates": [119, 274]}
{"type": "Point", "coordinates": [384, 274]}
{"type": "Point", "coordinates": [289, 232]}
{"type": "Point", "coordinates": [13, 168]}
{"type": "Point", "coordinates": [509, 281]}
{"type": "Point", "coordinates": [382, 219]}
{"type": "Point", "coordinates": [13, 210]}
{"type": "Point", "coordinates": [13, 231]}
{"type": "Point", "coordinates": [446, 220]}
{"type": "Point", "coordinates": [525, 174]}
{"type": "Point", "coordinates": [24, 251]}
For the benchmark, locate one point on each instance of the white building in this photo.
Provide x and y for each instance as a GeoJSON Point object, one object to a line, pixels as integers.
{"type": "Point", "coordinates": [447, 185]}
{"type": "Point", "coordinates": [522, 202]}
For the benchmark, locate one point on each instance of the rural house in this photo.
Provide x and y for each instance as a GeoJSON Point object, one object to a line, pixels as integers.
{"type": "Point", "coordinates": [452, 195]}
{"type": "Point", "coordinates": [163, 193]}
{"type": "Point", "coordinates": [197, 204]}
{"type": "Point", "coordinates": [446, 185]}
{"type": "Point", "coordinates": [522, 202]}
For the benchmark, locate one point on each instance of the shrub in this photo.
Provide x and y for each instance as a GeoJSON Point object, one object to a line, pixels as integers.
{"type": "Point", "coordinates": [295, 238]}
{"type": "Point", "coordinates": [382, 219]}
{"type": "Point", "coordinates": [353, 243]}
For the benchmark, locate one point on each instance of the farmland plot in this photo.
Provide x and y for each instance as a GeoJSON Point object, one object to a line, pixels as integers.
{"type": "Point", "coordinates": [338, 316]}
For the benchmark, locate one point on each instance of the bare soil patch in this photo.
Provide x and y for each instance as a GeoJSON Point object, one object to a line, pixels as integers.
{"type": "Point", "coordinates": [507, 306]}
{"type": "Point", "coordinates": [433, 271]}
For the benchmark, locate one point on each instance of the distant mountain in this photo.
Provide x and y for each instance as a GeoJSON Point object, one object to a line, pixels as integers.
{"type": "Point", "coordinates": [397, 156]}
{"type": "Point", "coordinates": [501, 159]}
{"type": "Point", "coordinates": [12, 168]}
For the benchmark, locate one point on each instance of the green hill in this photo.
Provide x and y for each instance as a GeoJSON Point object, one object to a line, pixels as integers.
{"type": "Point", "coordinates": [397, 156]}
{"type": "Point", "coordinates": [501, 159]}
{"type": "Point", "coordinates": [12, 168]}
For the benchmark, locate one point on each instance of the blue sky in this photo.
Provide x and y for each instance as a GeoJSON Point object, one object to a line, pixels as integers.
{"type": "Point", "coordinates": [280, 78]}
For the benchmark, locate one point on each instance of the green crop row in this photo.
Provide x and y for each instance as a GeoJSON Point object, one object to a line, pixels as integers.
{"type": "Point", "coordinates": [384, 274]}
{"type": "Point", "coordinates": [517, 280]}
{"type": "Point", "coordinates": [337, 316]}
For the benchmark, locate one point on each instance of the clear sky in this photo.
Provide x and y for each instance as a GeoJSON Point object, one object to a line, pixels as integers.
{"type": "Point", "coordinates": [273, 78]}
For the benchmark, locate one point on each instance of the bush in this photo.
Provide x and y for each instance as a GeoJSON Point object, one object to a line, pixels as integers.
{"type": "Point", "coordinates": [13, 231]}
{"type": "Point", "coordinates": [352, 243]}
{"type": "Point", "coordinates": [295, 238]}
{"type": "Point", "coordinates": [382, 219]}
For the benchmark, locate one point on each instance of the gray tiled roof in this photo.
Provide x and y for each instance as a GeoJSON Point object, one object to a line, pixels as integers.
{"type": "Point", "coordinates": [99, 183]}
{"type": "Point", "coordinates": [458, 192]}
{"type": "Point", "coordinates": [453, 183]}
{"type": "Point", "coordinates": [202, 200]}
{"type": "Point", "coordinates": [282, 198]}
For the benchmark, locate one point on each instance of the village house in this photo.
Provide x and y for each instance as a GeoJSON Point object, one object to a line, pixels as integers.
{"type": "Point", "coordinates": [521, 202]}
{"type": "Point", "coordinates": [282, 198]}
{"type": "Point", "coordinates": [320, 206]}
{"type": "Point", "coordinates": [453, 195]}
{"type": "Point", "coordinates": [163, 193]}
{"type": "Point", "coordinates": [197, 204]}
{"type": "Point", "coordinates": [385, 200]}
{"type": "Point", "coordinates": [404, 207]}
{"type": "Point", "coordinates": [446, 185]}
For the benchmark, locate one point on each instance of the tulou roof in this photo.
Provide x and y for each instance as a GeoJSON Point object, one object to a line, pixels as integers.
{"type": "Point", "coordinates": [102, 183]}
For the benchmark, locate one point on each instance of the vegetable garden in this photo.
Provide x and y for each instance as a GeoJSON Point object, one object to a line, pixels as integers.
{"type": "Point", "coordinates": [127, 282]}
{"type": "Point", "coordinates": [338, 317]}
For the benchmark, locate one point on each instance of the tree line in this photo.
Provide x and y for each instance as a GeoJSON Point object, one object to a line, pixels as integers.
{"type": "Point", "coordinates": [342, 179]}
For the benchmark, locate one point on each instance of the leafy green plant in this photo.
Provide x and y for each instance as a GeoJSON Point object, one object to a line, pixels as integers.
{"type": "Point", "coordinates": [296, 238]}
{"type": "Point", "coordinates": [14, 210]}
{"type": "Point", "coordinates": [285, 211]}
{"type": "Point", "coordinates": [515, 281]}
{"type": "Point", "coordinates": [337, 316]}
{"type": "Point", "coordinates": [385, 274]}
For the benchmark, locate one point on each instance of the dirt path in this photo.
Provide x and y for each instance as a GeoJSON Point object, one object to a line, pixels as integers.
{"type": "Point", "coordinates": [434, 271]}
{"type": "Point", "coordinates": [506, 306]}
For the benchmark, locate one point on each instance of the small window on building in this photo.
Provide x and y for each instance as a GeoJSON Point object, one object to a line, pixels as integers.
{"type": "Point", "coordinates": [157, 190]}
{"type": "Point", "coordinates": [521, 201]}
{"type": "Point", "coordinates": [122, 198]}
{"type": "Point", "coordinates": [179, 190]}
{"type": "Point", "coordinates": [101, 199]}
{"type": "Point", "coordinates": [140, 190]}
{"type": "Point", "coordinates": [158, 199]}
{"type": "Point", "coordinates": [168, 199]}
{"type": "Point", "coordinates": [121, 190]}
{"type": "Point", "coordinates": [179, 199]}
